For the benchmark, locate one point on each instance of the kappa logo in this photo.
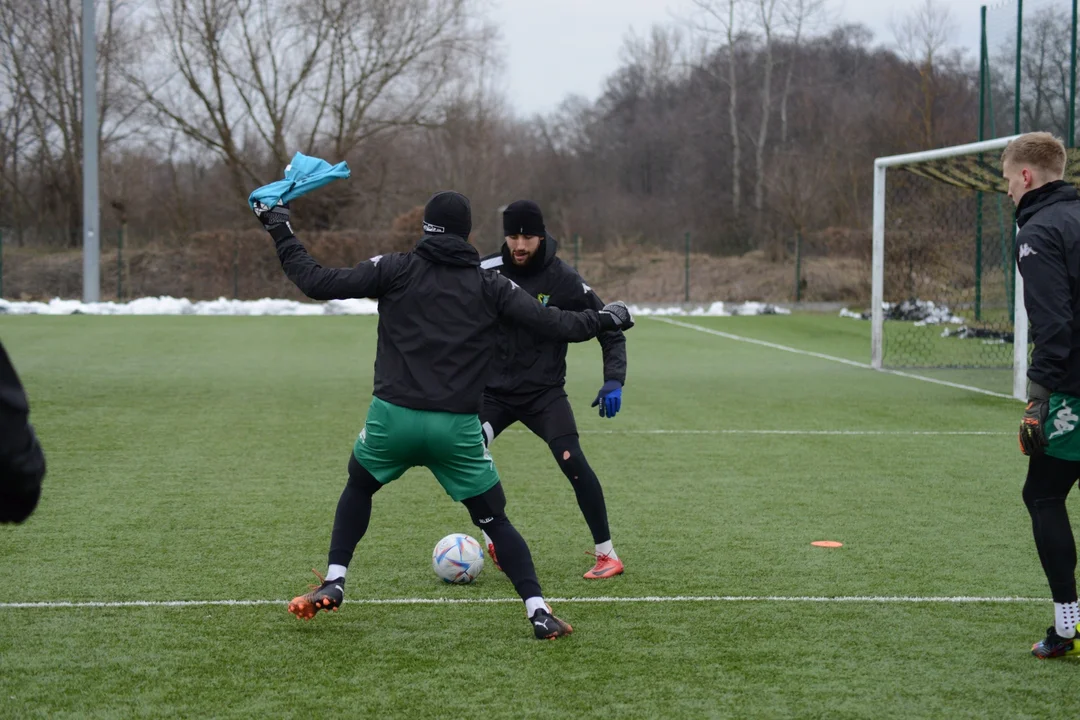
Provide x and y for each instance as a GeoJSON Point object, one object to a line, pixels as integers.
{"type": "Point", "coordinates": [429, 228]}
{"type": "Point", "coordinates": [485, 521]}
{"type": "Point", "coordinates": [1065, 422]}
{"type": "Point", "coordinates": [375, 260]}
{"type": "Point", "coordinates": [1026, 250]}
{"type": "Point", "coordinates": [543, 298]}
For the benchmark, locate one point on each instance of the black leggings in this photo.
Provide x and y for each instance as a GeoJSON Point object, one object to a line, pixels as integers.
{"type": "Point", "coordinates": [488, 512]}
{"type": "Point", "coordinates": [1049, 481]}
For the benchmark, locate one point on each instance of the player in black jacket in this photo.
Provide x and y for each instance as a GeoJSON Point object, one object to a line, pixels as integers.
{"type": "Point", "coordinates": [1048, 256]}
{"type": "Point", "coordinates": [529, 372]}
{"type": "Point", "coordinates": [438, 313]}
{"type": "Point", "coordinates": [22, 462]}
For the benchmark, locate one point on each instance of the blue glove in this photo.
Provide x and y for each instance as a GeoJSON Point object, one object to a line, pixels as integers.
{"type": "Point", "coordinates": [609, 399]}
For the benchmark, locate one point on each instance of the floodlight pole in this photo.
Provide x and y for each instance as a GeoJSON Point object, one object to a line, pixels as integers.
{"type": "Point", "coordinates": [91, 211]}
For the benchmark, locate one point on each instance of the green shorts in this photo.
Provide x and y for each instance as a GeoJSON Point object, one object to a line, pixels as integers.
{"type": "Point", "coordinates": [451, 445]}
{"type": "Point", "coordinates": [1061, 427]}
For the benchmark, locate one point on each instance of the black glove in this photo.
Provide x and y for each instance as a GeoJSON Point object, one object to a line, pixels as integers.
{"type": "Point", "coordinates": [1033, 427]}
{"type": "Point", "coordinates": [616, 316]}
{"type": "Point", "coordinates": [20, 480]}
{"type": "Point", "coordinates": [275, 218]}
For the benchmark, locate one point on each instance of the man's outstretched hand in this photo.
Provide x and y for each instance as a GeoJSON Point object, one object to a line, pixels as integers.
{"type": "Point", "coordinates": [273, 218]}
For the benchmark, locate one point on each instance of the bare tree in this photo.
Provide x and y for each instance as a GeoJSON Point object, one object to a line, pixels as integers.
{"type": "Point", "coordinates": [798, 16]}
{"type": "Point", "coordinates": [766, 17]}
{"type": "Point", "coordinates": [40, 42]}
{"type": "Point", "coordinates": [922, 38]}
{"type": "Point", "coordinates": [349, 70]}
{"type": "Point", "coordinates": [724, 18]}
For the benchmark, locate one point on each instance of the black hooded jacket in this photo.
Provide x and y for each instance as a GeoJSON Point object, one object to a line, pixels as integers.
{"type": "Point", "coordinates": [1048, 254]}
{"type": "Point", "coordinates": [438, 317]}
{"type": "Point", "coordinates": [527, 364]}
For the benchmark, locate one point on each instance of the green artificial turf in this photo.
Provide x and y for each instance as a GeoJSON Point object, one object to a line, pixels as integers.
{"type": "Point", "coordinates": [200, 458]}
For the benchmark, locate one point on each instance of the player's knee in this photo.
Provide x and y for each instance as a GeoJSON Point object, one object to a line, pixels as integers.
{"type": "Point", "coordinates": [566, 449]}
{"type": "Point", "coordinates": [487, 509]}
{"type": "Point", "coordinates": [362, 480]}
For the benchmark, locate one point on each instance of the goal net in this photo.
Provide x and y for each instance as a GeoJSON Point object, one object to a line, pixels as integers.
{"type": "Point", "coordinates": [947, 301]}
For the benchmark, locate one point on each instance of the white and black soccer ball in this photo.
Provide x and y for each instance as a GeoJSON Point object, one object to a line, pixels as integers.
{"type": "Point", "coordinates": [457, 558]}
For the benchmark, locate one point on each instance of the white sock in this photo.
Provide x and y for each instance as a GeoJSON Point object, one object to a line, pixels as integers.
{"type": "Point", "coordinates": [336, 572]}
{"type": "Point", "coordinates": [487, 540]}
{"type": "Point", "coordinates": [533, 604]}
{"type": "Point", "coordinates": [605, 548]}
{"type": "Point", "coordinates": [1066, 618]}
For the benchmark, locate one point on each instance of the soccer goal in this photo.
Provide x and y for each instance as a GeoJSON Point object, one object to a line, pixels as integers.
{"type": "Point", "coordinates": [946, 299]}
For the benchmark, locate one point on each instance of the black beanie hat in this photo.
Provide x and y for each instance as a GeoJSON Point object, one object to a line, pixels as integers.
{"type": "Point", "coordinates": [448, 212]}
{"type": "Point", "coordinates": [523, 217]}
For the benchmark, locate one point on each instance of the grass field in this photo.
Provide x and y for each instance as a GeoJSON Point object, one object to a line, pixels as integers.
{"type": "Point", "coordinates": [200, 458]}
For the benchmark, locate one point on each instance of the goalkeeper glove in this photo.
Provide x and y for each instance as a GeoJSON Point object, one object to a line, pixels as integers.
{"type": "Point", "coordinates": [1033, 427]}
{"type": "Point", "coordinates": [609, 398]}
{"type": "Point", "coordinates": [616, 316]}
{"type": "Point", "coordinates": [274, 219]}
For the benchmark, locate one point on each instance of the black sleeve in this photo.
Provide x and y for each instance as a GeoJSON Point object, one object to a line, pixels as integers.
{"type": "Point", "coordinates": [516, 305]}
{"type": "Point", "coordinates": [613, 342]}
{"type": "Point", "coordinates": [22, 462]}
{"type": "Point", "coordinates": [369, 279]}
{"type": "Point", "coordinates": [1048, 301]}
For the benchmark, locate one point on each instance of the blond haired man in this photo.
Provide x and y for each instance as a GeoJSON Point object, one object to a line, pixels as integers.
{"type": "Point", "coordinates": [1048, 255]}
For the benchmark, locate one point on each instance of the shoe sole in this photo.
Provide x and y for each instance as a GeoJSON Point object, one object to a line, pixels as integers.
{"type": "Point", "coordinates": [563, 630]}
{"type": "Point", "coordinates": [1068, 653]}
{"type": "Point", "coordinates": [304, 609]}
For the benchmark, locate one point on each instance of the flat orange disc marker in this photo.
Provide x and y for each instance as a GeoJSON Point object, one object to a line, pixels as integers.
{"type": "Point", "coordinates": [827, 543]}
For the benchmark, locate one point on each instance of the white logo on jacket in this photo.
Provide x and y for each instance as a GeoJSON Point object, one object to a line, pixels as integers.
{"type": "Point", "coordinates": [1026, 250]}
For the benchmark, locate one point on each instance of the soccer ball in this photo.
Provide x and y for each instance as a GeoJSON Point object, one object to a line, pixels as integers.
{"type": "Point", "coordinates": [457, 559]}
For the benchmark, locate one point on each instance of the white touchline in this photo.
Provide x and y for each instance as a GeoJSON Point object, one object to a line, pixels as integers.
{"type": "Point", "coordinates": [60, 604]}
{"type": "Point", "coordinates": [830, 358]}
{"type": "Point", "coordinates": [894, 433]}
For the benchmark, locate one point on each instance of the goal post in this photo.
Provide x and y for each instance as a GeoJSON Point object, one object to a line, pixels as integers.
{"type": "Point", "coordinates": [945, 293]}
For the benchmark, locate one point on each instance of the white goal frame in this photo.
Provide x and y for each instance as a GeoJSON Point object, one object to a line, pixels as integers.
{"type": "Point", "coordinates": [877, 290]}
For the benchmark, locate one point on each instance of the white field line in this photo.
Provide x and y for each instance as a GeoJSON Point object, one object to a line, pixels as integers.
{"type": "Point", "coordinates": [830, 358]}
{"type": "Point", "coordinates": [875, 433]}
{"type": "Point", "coordinates": [872, 599]}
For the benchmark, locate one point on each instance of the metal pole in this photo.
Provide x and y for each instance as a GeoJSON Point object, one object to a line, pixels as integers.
{"type": "Point", "coordinates": [1072, 80]}
{"type": "Point", "coordinates": [687, 283]}
{"type": "Point", "coordinates": [798, 266]}
{"type": "Point", "coordinates": [978, 254]}
{"type": "Point", "coordinates": [877, 272]}
{"type": "Point", "coordinates": [1019, 46]}
{"type": "Point", "coordinates": [1, 263]}
{"type": "Point", "coordinates": [91, 211]}
{"type": "Point", "coordinates": [120, 262]}
{"type": "Point", "coordinates": [983, 80]}
{"type": "Point", "coordinates": [236, 270]}
{"type": "Point", "coordinates": [982, 73]}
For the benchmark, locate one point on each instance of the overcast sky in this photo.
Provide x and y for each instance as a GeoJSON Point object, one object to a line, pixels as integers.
{"type": "Point", "coordinates": [553, 48]}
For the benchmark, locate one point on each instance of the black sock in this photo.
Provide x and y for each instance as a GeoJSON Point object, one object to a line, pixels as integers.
{"type": "Point", "coordinates": [590, 496]}
{"type": "Point", "coordinates": [1048, 483]}
{"type": "Point", "coordinates": [353, 513]}
{"type": "Point", "coordinates": [488, 514]}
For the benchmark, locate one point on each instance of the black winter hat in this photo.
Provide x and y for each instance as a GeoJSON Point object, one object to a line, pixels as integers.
{"type": "Point", "coordinates": [448, 212]}
{"type": "Point", "coordinates": [523, 217]}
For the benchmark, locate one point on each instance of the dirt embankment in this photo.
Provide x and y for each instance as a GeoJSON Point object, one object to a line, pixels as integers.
{"type": "Point", "coordinates": [212, 265]}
